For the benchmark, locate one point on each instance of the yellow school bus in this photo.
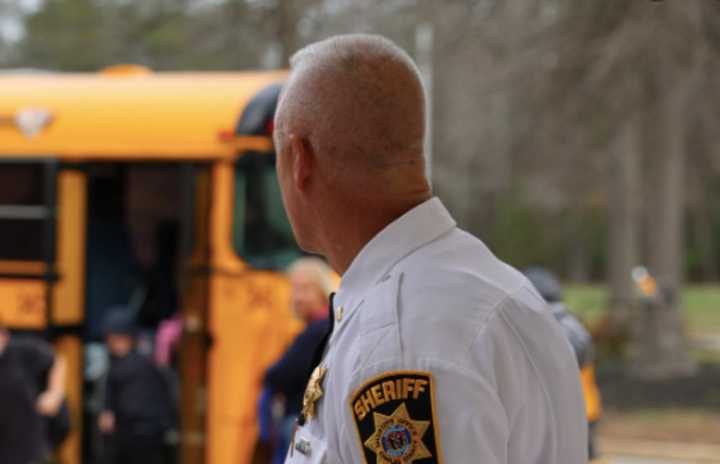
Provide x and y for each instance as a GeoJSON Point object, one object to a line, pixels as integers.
{"type": "Point", "coordinates": [102, 176]}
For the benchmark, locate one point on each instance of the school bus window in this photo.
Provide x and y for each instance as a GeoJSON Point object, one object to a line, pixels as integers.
{"type": "Point", "coordinates": [22, 184]}
{"type": "Point", "coordinates": [22, 212]}
{"type": "Point", "coordinates": [262, 234]}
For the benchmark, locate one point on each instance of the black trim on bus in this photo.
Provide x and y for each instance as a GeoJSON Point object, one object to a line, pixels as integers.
{"type": "Point", "coordinates": [259, 112]}
{"type": "Point", "coordinates": [57, 331]}
{"type": "Point", "coordinates": [83, 166]}
{"type": "Point", "coordinates": [51, 174]}
{"type": "Point", "coordinates": [50, 277]}
{"type": "Point", "coordinates": [60, 330]}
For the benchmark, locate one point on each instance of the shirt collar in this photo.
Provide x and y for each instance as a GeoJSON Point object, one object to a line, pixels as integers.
{"type": "Point", "coordinates": [417, 227]}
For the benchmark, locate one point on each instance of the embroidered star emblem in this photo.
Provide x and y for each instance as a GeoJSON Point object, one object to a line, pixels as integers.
{"type": "Point", "coordinates": [313, 392]}
{"type": "Point", "coordinates": [397, 438]}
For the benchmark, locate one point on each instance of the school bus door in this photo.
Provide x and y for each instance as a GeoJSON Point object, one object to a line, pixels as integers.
{"type": "Point", "coordinates": [196, 251]}
{"type": "Point", "coordinates": [249, 320]}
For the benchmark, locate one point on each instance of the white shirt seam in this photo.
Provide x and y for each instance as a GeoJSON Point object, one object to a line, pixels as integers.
{"type": "Point", "coordinates": [534, 369]}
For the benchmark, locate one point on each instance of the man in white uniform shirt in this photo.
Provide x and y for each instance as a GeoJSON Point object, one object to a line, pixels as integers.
{"type": "Point", "coordinates": [440, 352]}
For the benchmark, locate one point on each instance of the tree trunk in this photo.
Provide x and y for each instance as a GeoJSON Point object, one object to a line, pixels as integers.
{"type": "Point", "coordinates": [286, 23]}
{"type": "Point", "coordinates": [660, 349]}
{"type": "Point", "coordinates": [702, 220]}
{"type": "Point", "coordinates": [623, 205]}
{"type": "Point", "coordinates": [705, 240]}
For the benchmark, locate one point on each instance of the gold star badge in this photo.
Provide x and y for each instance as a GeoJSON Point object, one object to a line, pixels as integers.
{"type": "Point", "coordinates": [313, 392]}
{"type": "Point", "coordinates": [398, 438]}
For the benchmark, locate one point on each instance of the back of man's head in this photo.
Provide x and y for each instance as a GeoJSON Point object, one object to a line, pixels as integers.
{"type": "Point", "coordinates": [349, 134]}
{"type": "Point", "coordinates": [360, 101]}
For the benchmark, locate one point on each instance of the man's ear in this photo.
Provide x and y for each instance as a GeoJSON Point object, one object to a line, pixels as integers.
{"type": "Point", "coordinates": [303, 161]}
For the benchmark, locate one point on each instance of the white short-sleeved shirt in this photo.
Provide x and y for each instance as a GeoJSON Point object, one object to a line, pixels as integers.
{"type": "Point", "coordinates": [441, 353]}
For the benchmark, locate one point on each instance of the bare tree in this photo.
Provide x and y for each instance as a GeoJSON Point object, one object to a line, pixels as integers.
{"type": "Point", "coordinates": [617, 81]}
{"type": "Point", "coordinates": [624, 220]}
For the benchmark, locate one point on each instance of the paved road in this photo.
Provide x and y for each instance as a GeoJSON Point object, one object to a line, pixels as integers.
{"type": "Point", "coordinates": [630, 460]}
{"type": "Point", "coordinates": [617, 451]}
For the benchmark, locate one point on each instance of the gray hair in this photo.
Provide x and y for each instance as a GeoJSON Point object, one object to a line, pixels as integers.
{"type": "Point", "coordinates": [338, 50]}
{"type": "Point", "coordinates": [363, 95]}
{"type": "Point", "coordinates": [316, 269]}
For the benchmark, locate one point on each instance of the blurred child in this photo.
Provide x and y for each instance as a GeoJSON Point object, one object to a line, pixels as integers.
{"type": "Point", "coordinates": [548, 286]}
{"type": "Point", "coordinates": [139, 402]}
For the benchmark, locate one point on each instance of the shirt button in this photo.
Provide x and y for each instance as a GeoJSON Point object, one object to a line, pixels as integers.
{"type": "Point", "coordinates": [339, 313]}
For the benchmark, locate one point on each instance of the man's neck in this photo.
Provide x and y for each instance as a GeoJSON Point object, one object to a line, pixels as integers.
{"type": "Point", "coordinates": [361, 227]}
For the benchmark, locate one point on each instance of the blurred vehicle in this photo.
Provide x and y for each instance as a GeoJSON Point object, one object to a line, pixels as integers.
{"type": "Point", "coordinates": [91, 165]}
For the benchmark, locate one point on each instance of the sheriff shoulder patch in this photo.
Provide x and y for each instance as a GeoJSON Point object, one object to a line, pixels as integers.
{"type": "Point", "coordinates": [394, 416]}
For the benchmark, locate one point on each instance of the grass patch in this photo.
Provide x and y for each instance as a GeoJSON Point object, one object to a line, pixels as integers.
{"type": "Point", "coordinates": [588, 302]}
{"type": "Point", "coordinates": [678, 410]}
{"type": "Point", "coordinates": [701, 305]}
{"type": "Point", "coordinates": [702, 309]}
{"type": "Point", "coordinates": [705, 355]}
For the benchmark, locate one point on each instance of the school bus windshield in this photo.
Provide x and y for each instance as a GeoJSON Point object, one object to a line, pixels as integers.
{"type": "Point", "coordinates": [262, 234]}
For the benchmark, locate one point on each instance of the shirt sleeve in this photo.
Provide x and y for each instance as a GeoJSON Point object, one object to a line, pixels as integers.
{"type": "Point", "coordinates": [429, 409]}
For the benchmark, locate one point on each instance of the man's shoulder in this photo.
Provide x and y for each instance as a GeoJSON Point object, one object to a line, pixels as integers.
{"type": "Point", "coordinates": [458, 270]}
{"type": "Point", "coordinates": [30, 348]}
{"type": "Point", "coordinates": [451, 291]}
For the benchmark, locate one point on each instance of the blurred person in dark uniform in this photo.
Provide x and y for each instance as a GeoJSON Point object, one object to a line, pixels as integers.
{"type": "Point", "coordinates": [310, 280]}
{"type": "Point", "coordinates": [139, 401]}
{"type": "Point", "coordinates": [32, 389]}
{"type": "Point", "coordinates": [581, 341]}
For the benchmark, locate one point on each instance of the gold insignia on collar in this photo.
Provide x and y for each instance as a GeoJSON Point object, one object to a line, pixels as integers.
{"type": "Point", "coordinates": [313, 392]}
